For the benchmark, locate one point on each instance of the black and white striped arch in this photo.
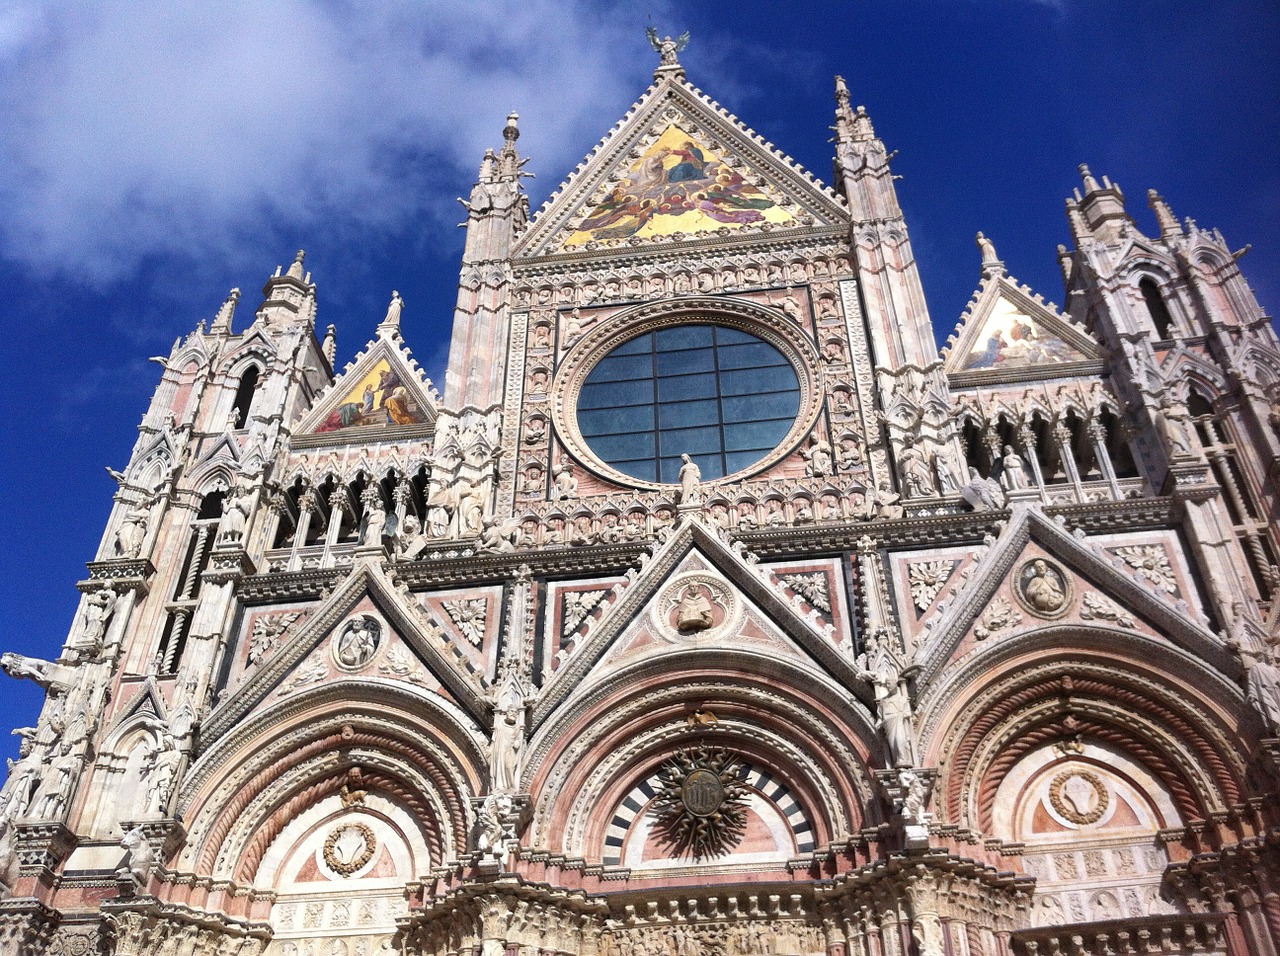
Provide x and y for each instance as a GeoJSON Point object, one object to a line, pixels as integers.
{"type": "Point", "coordinates": [771, 789]}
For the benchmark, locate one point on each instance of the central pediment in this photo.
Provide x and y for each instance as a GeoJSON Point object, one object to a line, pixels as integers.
{"type": "Point", "coordinates": [677, 168]}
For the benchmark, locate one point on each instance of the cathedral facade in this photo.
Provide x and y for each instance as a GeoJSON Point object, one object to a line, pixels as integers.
{"type": "Point", "coordinates": [711, 609]}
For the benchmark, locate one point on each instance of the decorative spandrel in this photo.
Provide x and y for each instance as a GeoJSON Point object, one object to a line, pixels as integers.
{"type": "Point", "coordinates": [679, 185]}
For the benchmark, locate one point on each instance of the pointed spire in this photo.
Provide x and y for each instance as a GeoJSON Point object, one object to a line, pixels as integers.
{"type": "Point", "coordinates": [844, 113]}
{"type": "Point", "coordinates": [862, 128]}
{"type": "Point", "coordinates": [509, 161]}
{"type": "Point", "coordinates": [1165, 218]}
{"type": "Point", "coordinates": [329, 347]}
{"type": "Point", "coordinates": [991, 264]}
{"type": "Point", "coordinates": [295, 270]}
{"type": "Point", "coordinates": [222, 321]}
{"type": "Point", "coordinates": [390, 326]}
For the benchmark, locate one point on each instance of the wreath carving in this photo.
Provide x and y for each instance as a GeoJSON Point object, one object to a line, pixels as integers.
{"type": "Point", "coordinates": [349, 847]}
{"type": "Point", "coordinates": [1076, 807]}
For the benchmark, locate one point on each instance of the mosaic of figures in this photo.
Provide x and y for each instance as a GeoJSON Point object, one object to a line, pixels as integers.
{"type": "Point", "coordinates": [1010, 338]}
{"type": "Point", "coordinates": [379, 398]}
{"type": "Point", "coordinates": [680, 184]}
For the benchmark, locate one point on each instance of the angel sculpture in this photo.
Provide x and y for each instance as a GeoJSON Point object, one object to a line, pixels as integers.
{"type": "Point", "coordinates": [667, 48]}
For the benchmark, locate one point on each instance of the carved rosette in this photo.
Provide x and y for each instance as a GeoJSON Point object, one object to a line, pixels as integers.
{"type": "Point", "coordinates": [701, 809]}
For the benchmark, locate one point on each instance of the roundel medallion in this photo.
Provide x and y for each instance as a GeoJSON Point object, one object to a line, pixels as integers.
{"type": "Point", "coordinates": [702, 793]}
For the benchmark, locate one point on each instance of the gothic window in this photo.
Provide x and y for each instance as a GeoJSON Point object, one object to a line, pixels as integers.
{"type": "Point", "coordinates": [287, 527]}
{"type": "Point", "coordinates": [244, 395]}
{"type": "Point", "coordinates": [975, 450]}
{"type": "Point", "coordinates": [720, 395]}
{"type": "Point", "coordinates": [1047, 451]}
{"type": "Point", "coordinates": [1247, 518]}
{"type": "Point", "coordinates": [186, 591]}
{"type": "Point", "coordinates": [1156, 307]}
{"type": "Point", "coordinates": [1117, 448]}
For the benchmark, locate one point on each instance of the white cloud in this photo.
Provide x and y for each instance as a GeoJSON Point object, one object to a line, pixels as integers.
{"type": "Point", "coordinates": [142, 129]}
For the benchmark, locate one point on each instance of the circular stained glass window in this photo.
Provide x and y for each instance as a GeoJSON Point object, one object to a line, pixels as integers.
{"type": "Point", "coordinates": [721, 396]}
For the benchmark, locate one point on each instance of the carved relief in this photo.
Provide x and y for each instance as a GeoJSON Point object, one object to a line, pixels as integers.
{"type": "Point", "coordinates": [696, 604]}
{"type": "Point", "coordinates": [576, 606]}
{"type": "Point", "coordinates": [1094, 606]}
{"type": "Point", "coordinates": [357, 643]}
{"type": "Point", "coordinates": [812, 587]}
{"type": "Point", "coordinates": [268, 631]}
{"type": "Point", "coordinates": [1150, 565]}
{"type": "Point", "coordinates": [469, 616]}
{"type": "Point", "coordinates": [701, 808]}
{"type": "Point", "coordinates": [999, 615]}
{"type": "Point", "coordinates": [1079, 796]}
{"type": "Point", "coordinates": [349, 847]}
{"type": "Point", "coordinates": [926, 579]}
{"type": "Point", "coordinates": [1042, 588]}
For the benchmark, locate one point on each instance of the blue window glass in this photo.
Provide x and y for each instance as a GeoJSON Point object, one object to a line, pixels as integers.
{"type": "Point", "coordinates": [722, 396]}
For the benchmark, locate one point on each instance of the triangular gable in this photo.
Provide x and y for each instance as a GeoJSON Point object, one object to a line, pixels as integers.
{"type": "Point", "coordinates": [1118, 590]}
{"type": "Point", "coordinates": [415, 640]}
{"type": "Point", "coordinates": [382, 389]}
{"type": "Point", "coordinates": [677, 167]}
{"type": "Point", "coordinates": [1008, 332]}
{"type": "Point", "coordinates": [691, 552]}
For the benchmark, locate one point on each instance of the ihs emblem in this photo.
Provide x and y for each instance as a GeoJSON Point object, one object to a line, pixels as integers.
{"type": "Point", "coordinates": [701, 809]}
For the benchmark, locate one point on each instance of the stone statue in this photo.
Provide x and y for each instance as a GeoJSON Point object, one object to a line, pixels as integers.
{"type": "Point", "coordinates": [133, 530]}
{"type": "Point", "coordinates": [161, 772]}
{"type": "Point", "coordinates": [98, 609]}
{"type": "Point", "coordinates": [885, 502]}
{"type": "Point", "coordinates": [693, 612]}
{"type": "Point", "coordinates": [138, 859]}
{"type": "Point", "coordinates": [235, 516]}
{"type": "Point", "coordinates": [1174, 420]}
{"type": "Point", "coordinates": [819, 457]}
{"type": "Point", "coordinates": [508, 742]}
{"type": "Point", "coordinates": [913, 797]}
{"type": "Point", "coordinates": [566, 483]}
{"type": "Point", "coordinates": [1013, 473]}
{"type": "Point", "coordinates": [982, 494]}
{"type": "Point", "coordinates": [491, 822]}
{"type": "Point", "coordinates": [667, 48]}
{"type": "Point", "coordinates": [392, 318]}
{"type": "Point", "coordinates": [1263, 688]}
{"type": "Point", "coordinates": [55, 790]}
{"type": "Point", "coordinates": [50, 676]}
{"type": "Point", "coordinates": [893, 703]}
{"type": "Point", "coordinates": [21, 786]}
{"type": "Point", "coordinates": [573, 326]}
{"type": "Point", "coordinates": [497, 536]}
{"type": "Point", "coordinates": [690, 476]}
{"type": "Point", "coordinates": [8, 858]}
{"type": "Point", "coordinates": [917, 476]}
{"type": "Point", "coordinates": [375, 523]}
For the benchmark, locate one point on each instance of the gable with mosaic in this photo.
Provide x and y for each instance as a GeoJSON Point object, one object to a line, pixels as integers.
{"type": "Point", "coordinates": [681, 185]}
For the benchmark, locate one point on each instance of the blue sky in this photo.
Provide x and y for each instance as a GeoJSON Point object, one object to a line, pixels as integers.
{"type": "Point", "coordinates": [155, 154]}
